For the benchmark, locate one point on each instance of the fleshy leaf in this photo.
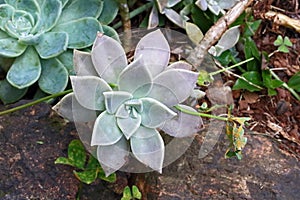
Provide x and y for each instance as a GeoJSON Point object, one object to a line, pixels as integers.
{"type": "Point", "coordinates": [83, 64]}
{"type": "Point", "coordinates": [183, 125]}
{"type": "Point", "coordinates": [155, 113]}
{"type": "Point", "coordinates": [89, 91]}
{"type": "Point", "coordinates": [108, 57]}
{"type": "Point", "coordinates": [109, 31]}
{"type": "Point", "coordinates": [174, 17]}
{"type": "Point", "coordinates": [154, 50]}
{"type": "Point", "coordinates": [109, 12]}
{"type": "Point", "coordinates": [122, 112]}
{"type": "Point", "coordinates": [215, 8]}
{"type": "Point", "coordinates": [69, 108]}
{"type": "Point", "coordinates": [82, 32]}
{"type": "Point", "coordinates": [129, 125]}
{"type": "Point", "coordinates": [153, 18]}
{"type": "Point", "coordinates": [113, 157]}
{"type": "Point", "coordinates": [148, 150]}
{"type": "Point", "coordinates": [52, 44]}
{"type": "Point", "coordinates": [137, 104]}
{"type": "Point", "coordinates": [180, 65]}
{"type": "Point", "coordinates": [66, 58]}
{"type": "Point", "coordinates": [25, 70]}
{"type": "Point", "coordinates": [10, 94]}
{"type": "Point", "coordinates": [30, 6]}
{"type": "Point", "coordinates": [114, 99]}
{"type": "Point", "coordinates": [6, 13]}
{"type": "Point", "coordinates": [106, 130]}
{"type": "Point", "coordinates": [10, 47]}
{"type": "Point", "coordinates": [54, 76]}
{"type": "Point", "coordinates": [79, 9]}
{"type": "Point", "coordinates": [64, 2]}
{"type": "Point", "coordinates": [161, 4]}
{"type": "Point", "coordinates": [202, 4]}
{"type": "Point", "coordinates": [20, 25]}
{"type": "Point", "coordinates": [136, 79]}
{"type": "Point", "coordinates": [172, 3]}
{"type": "Point", "coordinates": [48, 16]}
{"type": "Point", "coordinates": [227, 4]}
{"type": "Point", "coordinates": [173, 86]}
{"type": "Point", "coordinates": [193, 32]}
{"type": "Point", "coordinates": [30, 39]}
{"type": "Point", "coordinates": [227, 41]}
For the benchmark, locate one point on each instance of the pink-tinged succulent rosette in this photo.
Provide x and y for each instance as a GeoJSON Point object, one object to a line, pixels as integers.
{"type": "Point", "coordinates": [133, 101]}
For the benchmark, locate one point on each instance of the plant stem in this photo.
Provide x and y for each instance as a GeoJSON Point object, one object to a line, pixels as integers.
{"type": "Point", "coordinates": [135, 13]}
{"type": "Point", "coordinates": [233, 66]}
{"type": "Point", "coordinates": [286, 86]}
{"type": "Point", "coordinates": [238, 76]}
{"type": "Point", "coordinates": [200, 114]}
{"type": "Point", "coordinates": [124, 13]}
{"type": "Point", "coordinates": [35, 102]}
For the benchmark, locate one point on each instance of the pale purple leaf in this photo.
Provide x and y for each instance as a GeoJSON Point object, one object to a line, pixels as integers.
{"type": "Point", "coordinates": [113, 100]}
{"type": "Point", "coordinates": [183, 125]}
{"type": "Point", "coordinates": [155, 113]}
{"type": "Point", "coordinates": [129, 125]}
{"type": "Point", "coordinates": [83, 64]}
{"type": "Point", "coordinates": [148, 150]}
{"type": "Point", "coordinates": [155, 52]}
{"type": "Point", "coordinates": [108, 58]}
{"type": "Point", "coordinates": [106, 130]}
{"type": "Point", "coordinates": [173, 86]}
{"type": "Point", "coordinates": [113, 157]}
{"type": "Point", "coordinates": [89, 91]}
{"type": "Point", "coordinates": [135, 79]}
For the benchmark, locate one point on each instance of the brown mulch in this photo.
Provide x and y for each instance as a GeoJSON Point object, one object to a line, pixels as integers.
{"type": "Point", "coordinates": [278, 116]}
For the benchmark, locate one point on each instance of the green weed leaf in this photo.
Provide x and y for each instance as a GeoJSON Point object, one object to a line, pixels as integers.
{"type": "Point", "coordinates": [136, 192]}
{"type": "Point", "coordinates": [294, 82]}
{"type": "Point", "coordinates": [127, 194]}
{"type": "Point", "coordinates": [76, 155]}
{"type": "Point", "coordinates": [287, 42]}
{"type": "Point", "coordinates": [283, 44]}
{"type": "Point", "coordinates": [251, 76]}
{"type": "Point", "coordinates": [87, 176]}
{"type": "Point", "coordinates": [270, 83]}
{"type": "Point", "coordinates": [278, 41]}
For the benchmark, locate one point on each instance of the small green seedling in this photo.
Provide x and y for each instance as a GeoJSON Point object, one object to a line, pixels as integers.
{"type": "Point", "coordinates": [283, 44]}
{"type": "Point", "coordinates": [88, 171]}
{"type": "Point", "coordinates": [131, 194]}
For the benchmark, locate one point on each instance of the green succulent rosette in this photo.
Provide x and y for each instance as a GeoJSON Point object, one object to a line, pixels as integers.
{"type": "Point", "coordinates": [40, 34]}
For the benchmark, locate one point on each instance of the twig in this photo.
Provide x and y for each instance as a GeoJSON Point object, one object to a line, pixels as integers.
{"type": "Point", "coordinates": [134, 13]}
{"type": "Point", "coordinates": [238, 76]}
{"type": "Point", "coordinates": [200, 114]}
{"type": "Point", "coordinates": [283, 20]}
{"type": "Point", "coordinates": [233, 66]}
{"type": "Point", "coordinates": [216, 31]}
{"type": "Point", "coordinates": [35, 102]}
{"type": "Point", "coordinates": [124, 13]}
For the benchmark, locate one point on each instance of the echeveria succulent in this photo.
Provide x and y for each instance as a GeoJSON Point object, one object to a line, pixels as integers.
{"type": "Point", "coordinates": [37, 33]}
{"type": "Point", "coordinates": [134, 100]}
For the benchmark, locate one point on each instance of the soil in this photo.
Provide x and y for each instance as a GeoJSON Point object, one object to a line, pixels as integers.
{"type": "Point", "coordinates": [31, 140]}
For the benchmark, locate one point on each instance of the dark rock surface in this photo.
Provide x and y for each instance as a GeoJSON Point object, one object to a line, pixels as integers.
{"type": "Point", "coordinates": [263, 173]}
